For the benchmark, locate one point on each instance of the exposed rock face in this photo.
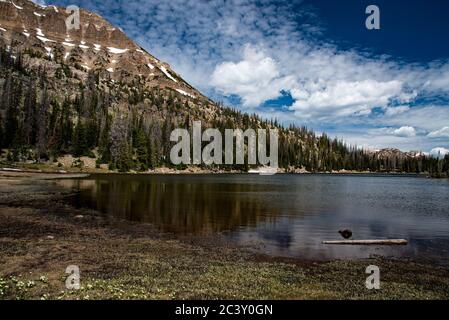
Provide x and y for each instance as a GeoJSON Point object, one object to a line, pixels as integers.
{"type": "Point", "coordinates": [8, 12]}
{"type": "Point", "coordinates": [91, 33]}
{"type": "Point", "coordinates": [118, 38]}
{"type": "Point", "coordinates": [103, 34]}
{"type": "Point", "coordinates": [396, 153]}
{"type": "Point", "coordinates": [54, 25]}
{"type": "Point", "coordinates": [96, 45]}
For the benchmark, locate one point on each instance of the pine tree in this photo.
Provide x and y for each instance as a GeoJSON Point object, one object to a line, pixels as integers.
{"type": "Point", "coordinates": [141, 145]}
{"type": "Point", "coordinates": [42, 120]}
{"type": "Point", "coordinates": [120, 146]}
{"type": "Point", "coordinates": [2, 135]}
{"type": "Point", "coordinates": [80, 147]}
{"type": "Point", "coordinates": [6, 103]}
{"type": "Point", "coordinates": [66, 125]}
{"type": "Point", "coordinates": [55, 130]}
{"type": "Point", "coordinates": [29, 121]}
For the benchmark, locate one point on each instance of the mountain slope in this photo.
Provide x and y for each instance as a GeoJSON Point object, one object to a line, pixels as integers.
{"type": "Point", "coordinates": [96, 45]}
{"type": "Point", "coordinates": [94, 92]}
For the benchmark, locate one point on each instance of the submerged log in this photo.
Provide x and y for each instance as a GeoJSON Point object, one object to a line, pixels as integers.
{"type": "Point", "coordinates": [385, 242]}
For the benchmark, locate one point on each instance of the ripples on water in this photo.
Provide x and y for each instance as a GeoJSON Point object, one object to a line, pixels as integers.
{"type": "Point", "coordinates": [285, 215]}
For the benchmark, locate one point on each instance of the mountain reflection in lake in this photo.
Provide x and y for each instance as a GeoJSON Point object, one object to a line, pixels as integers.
{"type": "Point", "coordinates": [286, 215]}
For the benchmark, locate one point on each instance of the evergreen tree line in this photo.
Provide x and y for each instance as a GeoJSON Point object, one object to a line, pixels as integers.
{"type": "Point", "coordinates": [39, 124]}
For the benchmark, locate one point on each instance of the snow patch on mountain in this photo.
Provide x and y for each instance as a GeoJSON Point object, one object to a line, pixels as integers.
{"type": "Point", "coordinates": [39, 32]}
{"type": "Point", "coordinates": [49, 53]}
{"type": "Point", "coordinates": [164, 70]}
{"type": "Point", "coordinates": [117, 50]}
{"type": "Point", "coordinates": [185, 93]}
{"type": "Point", "coordinates": [15, 5]}
{"type": "Point", "coordinates": [43, 39]}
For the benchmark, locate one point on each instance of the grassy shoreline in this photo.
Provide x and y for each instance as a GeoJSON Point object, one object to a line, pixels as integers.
{"type": "Point", "coordinates": [51, 169]}
{"type": "Point", "coordinates": [40, 235]}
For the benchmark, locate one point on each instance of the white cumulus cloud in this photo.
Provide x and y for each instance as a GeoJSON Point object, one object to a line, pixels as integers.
{"type": "Point", "coordinates": [443, 132]}
{"type": "Point", "coordinates": [439, 152]}
{"type": "Point", "coordinates": [255, 78]}
{"type": "Point", "coordinates": [342, 98]}
{"type": "Point", "coordinates": [405, 131]}
{"type": "Point", "coordinates": [392, 111]}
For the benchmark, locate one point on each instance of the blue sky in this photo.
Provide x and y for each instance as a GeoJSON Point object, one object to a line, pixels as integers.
{"type": "Point", "coordinates": [309, 62]}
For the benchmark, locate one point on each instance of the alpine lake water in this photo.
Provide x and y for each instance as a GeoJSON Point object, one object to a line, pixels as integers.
{"type": "Point", "coordinates": [284, 215]}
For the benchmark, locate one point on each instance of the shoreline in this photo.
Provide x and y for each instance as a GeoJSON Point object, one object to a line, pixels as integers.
{"type": "Point", "coordinates": [40, 235]}
{"type": "Point", "coordinates": [190, 171]}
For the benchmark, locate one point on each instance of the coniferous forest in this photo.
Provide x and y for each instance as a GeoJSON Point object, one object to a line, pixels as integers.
{"type": "Point", "coordinates": [128, 127]}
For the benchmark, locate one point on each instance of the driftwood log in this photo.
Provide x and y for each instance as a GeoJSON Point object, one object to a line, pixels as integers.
{"type": "Point", "coordinates": [386, 242]}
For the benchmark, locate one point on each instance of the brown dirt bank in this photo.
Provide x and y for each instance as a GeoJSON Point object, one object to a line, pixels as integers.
{"type": "Point", "coordinates": [40, 236]}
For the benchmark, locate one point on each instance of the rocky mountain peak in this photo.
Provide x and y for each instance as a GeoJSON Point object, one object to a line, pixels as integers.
{"type": "Point", "coordinates": [96, 45]}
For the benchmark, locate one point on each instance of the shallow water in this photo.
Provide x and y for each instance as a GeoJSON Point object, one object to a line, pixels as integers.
{"type": "Point", "coordinates": [283, 215]}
